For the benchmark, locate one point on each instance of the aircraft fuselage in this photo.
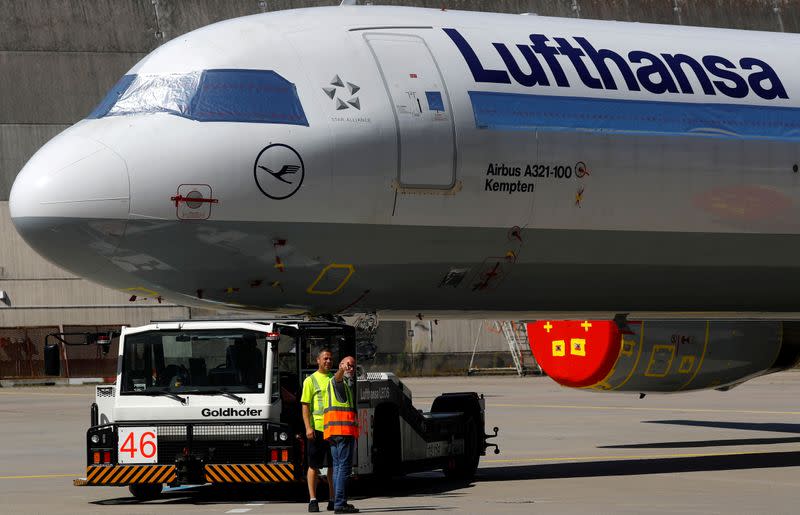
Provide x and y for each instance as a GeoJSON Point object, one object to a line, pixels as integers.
{"type": "Point", "coordinates": [410, 161]}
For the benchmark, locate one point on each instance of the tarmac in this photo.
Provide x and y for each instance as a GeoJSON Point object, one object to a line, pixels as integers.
{"type": "Point", "coordinates": [563, 451]}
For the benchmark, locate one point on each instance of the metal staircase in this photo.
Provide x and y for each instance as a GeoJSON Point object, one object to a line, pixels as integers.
{"type": "Point", "coordinates": [516, 336]}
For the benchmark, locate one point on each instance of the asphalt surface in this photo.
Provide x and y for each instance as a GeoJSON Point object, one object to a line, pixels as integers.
{"type": "Point", "coordinates": [563, 451]}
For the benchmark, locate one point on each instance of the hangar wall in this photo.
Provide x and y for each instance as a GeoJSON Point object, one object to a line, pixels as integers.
{"type": "Point", "coordinates": [59, 57]}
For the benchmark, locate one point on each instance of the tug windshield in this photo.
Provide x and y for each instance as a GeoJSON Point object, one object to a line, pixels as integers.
{"type": "Point", "coordinates": [226, 361]}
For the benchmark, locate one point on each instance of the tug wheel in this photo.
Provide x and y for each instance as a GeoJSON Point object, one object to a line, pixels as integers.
{"type": "Point", "coordinates": [465, 466]}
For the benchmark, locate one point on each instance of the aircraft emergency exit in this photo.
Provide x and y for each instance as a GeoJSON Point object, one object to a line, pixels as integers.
{"type": "Point", "coordinates": [413, 161]}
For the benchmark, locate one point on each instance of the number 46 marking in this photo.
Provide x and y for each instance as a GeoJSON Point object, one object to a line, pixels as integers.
{"type": "Point", "coordinates": [138, 445]}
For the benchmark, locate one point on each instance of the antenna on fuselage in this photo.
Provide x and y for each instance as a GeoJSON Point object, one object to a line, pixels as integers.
{"type": "Point", "coordinates": [349, 2]}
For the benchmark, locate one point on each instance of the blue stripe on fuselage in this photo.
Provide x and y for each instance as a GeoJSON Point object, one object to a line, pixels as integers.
{"type": "Point", "coordinates": [512, 111]}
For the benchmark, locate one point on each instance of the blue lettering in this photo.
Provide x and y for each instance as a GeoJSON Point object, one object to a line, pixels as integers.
{"type": "Point", "coordinates": [649, 72]}
{"type": "Point", "coordinates": [599, 58]}
{"type": "Point", "coordinates": [479, 73]}
{"type": "Point", "coordinates": [676, 62]}
{"type": "Point", "coordinates": [549, 53]}
{"type": "Point", "coordinates": [732, 85]}
{"type": "Point", "coordinates": [574, 54]}
{"type": "Point", "coordinates": [537, 75]}
{"type": "Point", "coordinates": [774, 89]}
{"type": "Point", "coordinates": [657, 74]}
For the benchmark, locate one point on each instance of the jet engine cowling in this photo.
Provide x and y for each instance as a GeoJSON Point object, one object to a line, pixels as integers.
{"type": "Point", "coordinates": [662, 355]}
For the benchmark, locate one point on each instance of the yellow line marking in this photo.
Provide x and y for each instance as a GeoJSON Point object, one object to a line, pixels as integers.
{"type": "Point", "coordinates": [628, 408]}
{"type": "Point", "coordinates": [702, 358]}
{"type": "Point", "coordinates": [333, 266]}
{"type": "Point", "coordinates": [656, 350]}
{"type": "Point", "coordinates": [41, 476]}
{"type": "Point", "coordinates": [638, 357]}
{"type": "Point", "coordinates": [628, 457]}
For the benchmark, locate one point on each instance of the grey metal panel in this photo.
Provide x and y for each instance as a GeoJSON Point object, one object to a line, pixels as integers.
{"type": "Point", "coordinates": [132, 316]}
{"type": "Point", "coordinates": [176, 17]}
{"type": "Point", "coordinates": [17, 144]}
{"type": "Point", "coordinates": [64, 292]}
{"type": "Point", "coordinates": [789, 15]}
{"type": "Point", "coordinates": [78, 25]}
{"type": "Point", "coordinates": [650, 11]}
{"type": "Point", "coordinates": [57, 87]}
{"type": "Point", "coordinates": [731, 14]}
{"type": "Point", "coordinates": [456, 336]}
{"type": "Point", "coordinates": [392, 337]}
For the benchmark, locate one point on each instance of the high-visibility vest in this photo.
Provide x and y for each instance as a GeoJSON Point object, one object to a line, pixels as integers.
{"type": "Point", "coordinates": [340, 418]}
{"type": "Point", "coordinates": [319, 397]}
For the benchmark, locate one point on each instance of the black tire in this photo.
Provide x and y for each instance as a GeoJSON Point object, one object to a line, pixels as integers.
{"type": "Point", "coordinates": [146, 491]}
{"type": "Point", "coordinates": [386, 447]}
{"type": "Point", "coordinates": [464, 467]}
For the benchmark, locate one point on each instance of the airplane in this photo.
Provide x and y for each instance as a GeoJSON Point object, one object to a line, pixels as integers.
{"type": "Point", "coordinates": [443, 164]}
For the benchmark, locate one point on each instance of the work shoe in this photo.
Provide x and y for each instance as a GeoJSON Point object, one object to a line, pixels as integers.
{"type": "Point", "coordinates": [347, 508]}
{"type": "Point", "coordinates": [330, 505]}
{"type": "Point", "coordinates": [313, 506]}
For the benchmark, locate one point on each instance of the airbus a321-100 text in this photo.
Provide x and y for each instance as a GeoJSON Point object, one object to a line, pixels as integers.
{"type": "Point", "coordinates": [409, 161]}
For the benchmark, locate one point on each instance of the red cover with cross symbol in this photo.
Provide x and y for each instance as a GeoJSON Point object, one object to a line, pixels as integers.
{"type": "Point", "coordinates": [575, 353]}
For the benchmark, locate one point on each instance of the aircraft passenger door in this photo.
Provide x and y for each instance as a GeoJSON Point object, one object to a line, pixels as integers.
{"type": "Point", "coordinates": [422, 111]}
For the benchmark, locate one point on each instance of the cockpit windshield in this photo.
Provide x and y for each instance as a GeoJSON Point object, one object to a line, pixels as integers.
{"type": "Point", "coordinates": [195, 361]}
{"type": "Point", "coordinates": [254, 96]}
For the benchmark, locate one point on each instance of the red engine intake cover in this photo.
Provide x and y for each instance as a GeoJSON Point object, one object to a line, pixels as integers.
{"type": "Point", "coordinates": [575, 353]}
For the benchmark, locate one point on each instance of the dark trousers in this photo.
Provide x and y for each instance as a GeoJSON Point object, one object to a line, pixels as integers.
{"type": "Point", "coordinates": [342, 454]}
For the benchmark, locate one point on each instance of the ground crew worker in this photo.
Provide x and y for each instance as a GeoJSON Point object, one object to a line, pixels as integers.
{"type": "Point", "coordinates": [314, 399]}
{"type": "Point", "coordinates": [341, 430]}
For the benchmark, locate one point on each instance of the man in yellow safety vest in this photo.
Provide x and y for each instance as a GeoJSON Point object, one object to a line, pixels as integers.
{"type": "Point", "coordinates": [340, 422]}
{"type": "Point", "coordinates": [314, 399]}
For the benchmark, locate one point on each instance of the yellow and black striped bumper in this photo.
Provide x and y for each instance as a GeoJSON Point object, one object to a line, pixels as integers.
{"type": "Point", "coordinates": [129, 474]}
{"type": "Point", "coordinates": [251, 473]}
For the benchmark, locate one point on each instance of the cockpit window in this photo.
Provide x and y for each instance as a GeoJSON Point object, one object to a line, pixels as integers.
{"type": "Point", "coordinates": [111, 98]}
{"type": "Point", "coordinates": [254, 96]}
{"type": "Point", "coordinates": [157, 94]}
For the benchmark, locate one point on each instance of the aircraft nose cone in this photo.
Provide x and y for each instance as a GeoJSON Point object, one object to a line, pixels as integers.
{"type": "Point", "coordinates": [71, 202]}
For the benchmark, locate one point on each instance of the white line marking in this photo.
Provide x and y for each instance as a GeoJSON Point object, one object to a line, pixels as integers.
{"type": "Point", "coordinates": [238, 510]}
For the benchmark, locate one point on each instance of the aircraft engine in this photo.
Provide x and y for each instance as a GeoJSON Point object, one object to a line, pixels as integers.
{"type": "Point", "coordinates": [662, 355]}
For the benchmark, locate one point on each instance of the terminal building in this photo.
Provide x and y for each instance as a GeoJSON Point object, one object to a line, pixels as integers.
{"type": "Point", "coordinates": [59, 58]}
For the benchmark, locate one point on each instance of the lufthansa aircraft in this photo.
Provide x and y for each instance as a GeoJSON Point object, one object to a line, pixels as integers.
{"type": "Point", "coordinates": [410, 161]}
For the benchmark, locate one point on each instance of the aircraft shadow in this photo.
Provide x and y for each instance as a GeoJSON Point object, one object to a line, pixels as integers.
{"type": "Point", "coordinates": [704, 443]}
{"type": "Point", "coordinates": [747, 426]}
{"type": "Point", "coordinates": [404, 487]}
{"type": "Point", "coordinates": [433, 483]}
{"type": "Point", "coordinates": [635, 467]}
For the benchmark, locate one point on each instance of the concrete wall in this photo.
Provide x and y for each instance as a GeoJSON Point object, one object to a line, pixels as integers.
{"type": "Point", "coordinates": [59, 57]}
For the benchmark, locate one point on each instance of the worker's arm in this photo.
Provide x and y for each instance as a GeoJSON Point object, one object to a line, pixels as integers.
{"type": "Point", "coordinates": [307, 421]}
{"type": "Point", "coordinates": [347, 364]}
{"type": "Point", "coordinates": [339, 375]}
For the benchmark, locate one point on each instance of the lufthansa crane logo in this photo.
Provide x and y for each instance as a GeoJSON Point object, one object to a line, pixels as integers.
{"type": "Point", "coordinates": [279, 171]}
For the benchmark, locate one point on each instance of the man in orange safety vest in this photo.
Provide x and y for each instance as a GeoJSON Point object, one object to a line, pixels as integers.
{"type": "Point", "coordinates": [340, 429]}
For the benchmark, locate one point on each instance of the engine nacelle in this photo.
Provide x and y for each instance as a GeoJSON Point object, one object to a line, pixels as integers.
{"type": "Point", "coordinates": [662, 355]}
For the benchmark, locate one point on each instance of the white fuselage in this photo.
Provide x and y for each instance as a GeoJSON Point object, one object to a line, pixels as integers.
{"type": "Point", "coordinates": [413, 160]}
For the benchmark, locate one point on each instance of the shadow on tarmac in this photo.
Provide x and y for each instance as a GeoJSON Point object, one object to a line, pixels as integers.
{"type": "Point", "coordinates": [746, 426]}
{"type": "Point", "coordinates": [704, 443]}
{"type": "Point", "coordinates": [418, 485]}
{"type": "Point", "coordinates": [434, 487]}
{"type": "Point", "coordinates": [636, 467]}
